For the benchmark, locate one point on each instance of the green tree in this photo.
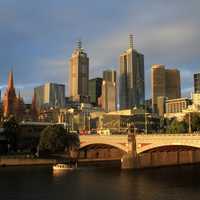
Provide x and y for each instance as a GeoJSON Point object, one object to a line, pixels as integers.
{"type": "Point", "coordinates": [195, 121]}
{"type": "Point", "coordinates": [56, 139]}
{"type": "Point", "coordinates": [72, 144]}
{"type": "Point", "coordinates": [11, 129]}
{"type": "Point", "coordinates": [177, 127]}
{"type": "Point", "coordinates": [52, 139]}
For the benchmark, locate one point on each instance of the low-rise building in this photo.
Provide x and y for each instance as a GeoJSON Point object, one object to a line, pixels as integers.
{"type": "Point", "coordinates": [196, 100]}
{"type": "Point", "coordinates": [177, 105]}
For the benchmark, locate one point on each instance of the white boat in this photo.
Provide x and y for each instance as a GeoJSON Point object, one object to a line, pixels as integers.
{"type": "Point", "coordinates": [64, 167]}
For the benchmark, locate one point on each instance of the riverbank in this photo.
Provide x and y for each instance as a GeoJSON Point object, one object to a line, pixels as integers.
{"type": "Point", "coordinates": [19, 161]}
{"type": "Point", "coordinates": [25, 161]}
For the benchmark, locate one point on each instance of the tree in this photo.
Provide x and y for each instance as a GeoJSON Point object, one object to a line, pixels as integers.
{"type": "Point", "coordinates": [52, 139]}
{"type": "Point", "coordinates": [195, 121]}
{"type": "Point", "coordinates": [177, 127]}
{"type": "Point", "coordinates": [11, 129]}
{"type": "Point", "coordinates": [72, 144]}
{"type": "Point", "coordinates": [56, 139]}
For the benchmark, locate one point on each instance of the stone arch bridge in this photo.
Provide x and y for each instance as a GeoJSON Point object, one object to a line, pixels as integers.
{"type": "Point", "coordinates": [147, 150]}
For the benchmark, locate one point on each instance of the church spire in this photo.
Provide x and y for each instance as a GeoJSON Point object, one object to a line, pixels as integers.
{"type": "Point", "coordinates": [34, 108]}
{"type": "Point", "coordinates": [19, 95]}
{"type": "Point", "coordinates": [10, 80]}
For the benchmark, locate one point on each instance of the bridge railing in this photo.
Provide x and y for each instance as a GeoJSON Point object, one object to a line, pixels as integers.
{"type": "Point", "coordinates": [142, 134]}
{"type": "Point", "coordinates": [169, 134]}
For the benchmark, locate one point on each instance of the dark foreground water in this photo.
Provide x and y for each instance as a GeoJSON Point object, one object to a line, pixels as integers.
{"type": "Point", "coordinates": [40, 183]}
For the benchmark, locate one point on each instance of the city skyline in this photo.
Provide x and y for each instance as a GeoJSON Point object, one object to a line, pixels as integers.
{"type": "Point", "coordinates": [38, 49]}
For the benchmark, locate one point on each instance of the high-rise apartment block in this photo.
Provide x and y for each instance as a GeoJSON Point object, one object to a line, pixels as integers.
{"type": "Point", "coordinates": [79, 75]}
{"type": "Point", "coordinates": [165, 83]}
{"type": "Point", "coordinates": [50, 95]}
{"type": "Point", "coordinates": [95, 88]}
{"type": "Point", "coordinates": [197, 83]}
{"type": "Point", "coordinates": [109, 91]}
{"type": "Point", "coordinates": [131, 78]}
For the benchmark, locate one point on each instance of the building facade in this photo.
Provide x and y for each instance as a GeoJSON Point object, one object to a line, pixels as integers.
{"type": "Point", "coordinates": [131, 78]}
{"type": "Point", "coordinates": [108, 99]}
{"type": "Point", "coordinates": [164, 83]}
{"type": "Point", "coordinates": [197, 83]}
{"type": "Point", "coordinates": [177, 105]}
{"type": "Point", "coordinates": [79, 75]}
{"type": "Point", "coordinates": [110, 75]}
{"type": "Point", "coordinates": [50, 95]}
{"type": "Point", "coordinates": [109, 96]}
{"type": "Point", "coordinates": [196, 99]}
{"type": "Point", "coordinates": [95, 89]}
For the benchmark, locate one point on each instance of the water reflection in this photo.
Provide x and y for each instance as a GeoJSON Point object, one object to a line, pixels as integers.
{"type": "Point", "coordinates": [39, 183]}
{"type": "Point", "coordinates": [57, 174]}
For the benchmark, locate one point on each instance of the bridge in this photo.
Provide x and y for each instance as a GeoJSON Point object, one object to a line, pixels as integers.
{"type": "Point", "coordinates": [144, 149]}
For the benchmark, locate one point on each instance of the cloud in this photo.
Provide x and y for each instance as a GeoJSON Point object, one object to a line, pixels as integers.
{"type": "Point", "coordinates": [34, 34]}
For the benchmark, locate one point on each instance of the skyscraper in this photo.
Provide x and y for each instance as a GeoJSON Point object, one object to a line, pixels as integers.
{"type": "Point", "coordinates": [197, 83]}
{"type": "Point", "coordinates": [95, 89]}
{"type": "Point", "coordinates": [79, 74]}
{"type": "Point", "coordinates": [173, 83]}
{"type": "Point", "coordinates": [49, 95]}
{"type": "Point", "coordinates": [110, 75]}
{"type": "Point", "coordinates": [131, 78]}
{"type": "Point", "coordinates": [164, 83]}
{"type": "Point", "coordinates": [109, 91]}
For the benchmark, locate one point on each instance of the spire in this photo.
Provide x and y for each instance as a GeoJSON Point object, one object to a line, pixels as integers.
{"type": "Point", "coordinates": [34, 101]}
{"type": "Point", "coordinates": [19, 95]}
{"type": "Point", "coordinates": [34, 108]}
{"type": "Point", "coordinates": [131, 41]}
{"type": "Point", "coordinates": [10, 80]}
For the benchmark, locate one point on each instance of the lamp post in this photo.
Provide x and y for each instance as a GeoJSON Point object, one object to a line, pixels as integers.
{"type": "Point", "coordinates": [190, 127]}
{"type": "Point", "coordinates": [146, 123]}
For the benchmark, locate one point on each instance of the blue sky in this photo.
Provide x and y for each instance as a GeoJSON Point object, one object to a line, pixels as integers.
{"type": "Point", "coordinates": [37, 37]}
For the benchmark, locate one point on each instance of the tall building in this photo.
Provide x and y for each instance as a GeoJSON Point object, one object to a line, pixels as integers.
{"type": "Point", "coordinates": [49, 95]}
{"type": "Point", "coordinates": [164, 83]}
{"type": "Point", "coordinates": [108, 98]}
{"type": "Point", "coordinates": [95, 87]}
{"type": "Point", "coordinates": [173, 83]}
{"type": "Point", "coordinates": [110, 75]}
{"type": "Point", "coordinates": [109, 91]}
{"type": "Point", "coordinates": [79, 74]}
{"type": "Point", "coordinates": [12, 105]}
{"type": "Point", "coordinates": [197, 83]}
{"type": "Point", "coordinates": [131, 78]}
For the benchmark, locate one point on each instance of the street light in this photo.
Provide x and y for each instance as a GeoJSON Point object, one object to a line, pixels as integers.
{"type": "Point", "coordinates": [190, 127]}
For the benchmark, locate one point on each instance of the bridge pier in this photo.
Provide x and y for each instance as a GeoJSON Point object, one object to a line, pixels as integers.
{"type": "Point", "coordinates": [129, 160]}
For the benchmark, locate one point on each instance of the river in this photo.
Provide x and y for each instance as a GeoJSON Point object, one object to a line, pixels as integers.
{"type": "Point", "coordinates": [40, 183]}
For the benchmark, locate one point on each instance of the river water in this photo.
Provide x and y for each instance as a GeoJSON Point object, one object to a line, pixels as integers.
{"type": "Point", "coordinates": [40, 183]}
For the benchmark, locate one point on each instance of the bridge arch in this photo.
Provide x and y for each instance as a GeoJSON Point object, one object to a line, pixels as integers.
{"type": "Point", "coordinates": [121, 147]}
{"type": "Point", "coordinates": [152, 147]}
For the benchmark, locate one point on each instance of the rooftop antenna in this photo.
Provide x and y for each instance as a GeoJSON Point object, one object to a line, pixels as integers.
{"type": "Point", "coordinates": [79, 44]}
{"type": "Point", "coordinates": [131, 44]}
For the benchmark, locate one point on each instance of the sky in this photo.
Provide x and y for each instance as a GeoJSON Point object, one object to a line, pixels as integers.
{"type": "Point", "coordinates": [37, 38]}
